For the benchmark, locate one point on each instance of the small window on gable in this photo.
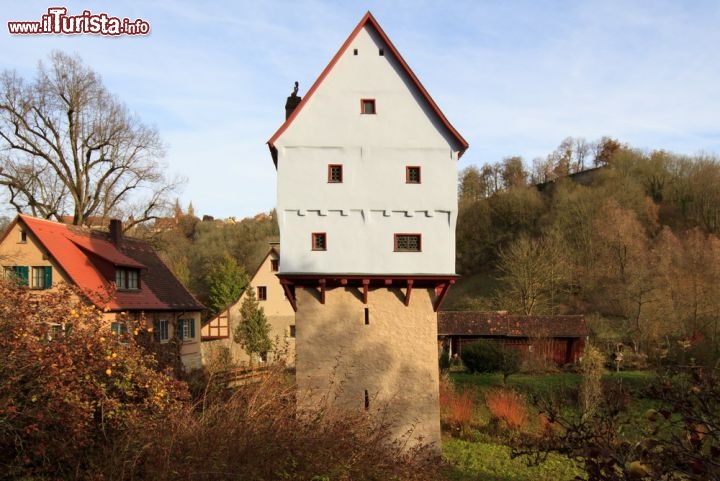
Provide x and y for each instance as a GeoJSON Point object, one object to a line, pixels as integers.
{"type": "Point", "coordinates": [262, 293]}
{"type": "Point", "coordinates": [274, 265]}
{"type": "Point", "coordinates": [412, 175]}
{"type": "Point", "coordinates": [319, 241]}
{"type": "Point", "coordinates": [408, 242]}
{"type": "Point", "coordinates": [355, 51]}
{"type": "Point", "coordinates": [23, 237]}
{"type": "Point", "coordinates": [292, 330]}
{"type": "Point", "coordinates": [41, 277]}
{"type": "Point", "coordinates": [367, 106]}
{"type": "Point", "coordinates": [335, 173]}
{"type": "Point", "coordinates": [381, 52]}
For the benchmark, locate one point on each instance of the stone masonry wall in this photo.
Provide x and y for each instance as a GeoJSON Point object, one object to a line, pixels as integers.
{"type": "Point", "coordinates": [393, 357]}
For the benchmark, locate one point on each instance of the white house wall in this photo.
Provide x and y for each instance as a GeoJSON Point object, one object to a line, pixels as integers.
{"type": "Point", "coordinates": [361, 214]}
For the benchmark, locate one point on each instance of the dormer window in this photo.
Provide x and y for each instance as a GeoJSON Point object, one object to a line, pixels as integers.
{"type": "Point", "coordinates": [127, 278]}
{"type": "Point", "coordinates": [367, 106]}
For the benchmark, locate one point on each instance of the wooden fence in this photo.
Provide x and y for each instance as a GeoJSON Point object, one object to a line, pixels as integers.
{"type": "Point", "coordinates": [230, 378]}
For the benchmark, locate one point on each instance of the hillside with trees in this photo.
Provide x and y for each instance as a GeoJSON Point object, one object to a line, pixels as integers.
{"type": "Point", "coordinates": [214, 258]}
{"type": "Point", "coordinates": [628, 238]}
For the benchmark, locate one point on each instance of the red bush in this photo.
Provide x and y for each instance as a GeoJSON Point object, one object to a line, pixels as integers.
{"type": "Point", "coordinates": [507, 408]}
{"type": "Point", "coordinates": [456, 407]}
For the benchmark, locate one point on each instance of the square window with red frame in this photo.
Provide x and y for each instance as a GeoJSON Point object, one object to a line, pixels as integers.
{"type": "Point", "coordinates": [319, 241]}
{"type": "Point", "coordinates": [412, 174]}
{"type": "Point", "coordinates": [367, 106]}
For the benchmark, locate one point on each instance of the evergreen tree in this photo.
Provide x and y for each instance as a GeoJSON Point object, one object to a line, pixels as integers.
{"type": "Point", "coordinates": [253, 331]}
{"type": "Point", "coordinates": [226, 283]}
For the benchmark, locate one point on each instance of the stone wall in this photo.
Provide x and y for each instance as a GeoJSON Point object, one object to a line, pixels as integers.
{"type": "Point", "coordinates": [392, 356]}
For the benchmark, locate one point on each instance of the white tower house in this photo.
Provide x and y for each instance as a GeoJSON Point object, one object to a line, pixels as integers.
{"type": "Point", "coordinates": [367, 206]}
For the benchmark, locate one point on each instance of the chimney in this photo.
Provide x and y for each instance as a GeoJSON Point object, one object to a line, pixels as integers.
{"type": "Point", "coordinates": [115, 231]}
{"type": "Point", "coordinates": [292, 102]}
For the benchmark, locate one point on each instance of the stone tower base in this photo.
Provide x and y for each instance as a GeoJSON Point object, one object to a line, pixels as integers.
{"type": "Point", "coordinates": [380, 356]}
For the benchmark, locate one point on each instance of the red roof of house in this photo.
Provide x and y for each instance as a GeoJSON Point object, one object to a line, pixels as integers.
{"type": "Point", "coordinates": [369, 20]}
{"type": "Point", "coordinates": [89, 259]}
{"type": "Point", "coordinates": [474, 323]}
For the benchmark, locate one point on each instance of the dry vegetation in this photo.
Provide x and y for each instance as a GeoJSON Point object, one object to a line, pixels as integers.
{"type": "Point", "coordinates": [85, 404]}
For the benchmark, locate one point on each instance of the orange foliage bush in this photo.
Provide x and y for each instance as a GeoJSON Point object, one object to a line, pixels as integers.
{"type": "Point", "coordinates": [68, 385]}
{"type": "Point", "coordinates": [507, 408]}
{"type": "Point", "coordinates": [456, 407]}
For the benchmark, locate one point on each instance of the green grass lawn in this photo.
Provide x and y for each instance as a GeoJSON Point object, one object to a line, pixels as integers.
{"type": "Point", "coordinates": [482, 459]}
{"type": "Point", "coordinates": [633, 380]}
{"type": "Point", "coordinates": [492, 462]}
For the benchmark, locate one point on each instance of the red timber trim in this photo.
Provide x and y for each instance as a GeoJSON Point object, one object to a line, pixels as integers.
{"type": "Point", "coordinates": [443, 293]}
{"type": "Point", "coordinates": [289, 293]}
{"type": "Point", "coordinates": [323, 282]}
{"type": "Point", "coordinates": [367, 19]}
{"type": "Point", "coordinates": [408, 291]}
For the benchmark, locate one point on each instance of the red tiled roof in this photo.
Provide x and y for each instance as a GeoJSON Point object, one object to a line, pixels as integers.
{"type": "Point", "coordinates": [369, 20]}
{"type": "Point", "coordinates": [89, 260]}
{"type": "Point", "coordinates": [473, 323]}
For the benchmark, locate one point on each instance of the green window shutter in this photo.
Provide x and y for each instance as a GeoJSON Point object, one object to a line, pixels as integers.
{"type": "Point", "coordinates": [180, 325]}
{"type": "Point", "coordinates": [22, 273]}
{"type": "Point", "coordinates": [48, 277]}
{"type": "Point", "coordinates": [156, 330]}
{"type": "Point", "coordinates": [192, 327]}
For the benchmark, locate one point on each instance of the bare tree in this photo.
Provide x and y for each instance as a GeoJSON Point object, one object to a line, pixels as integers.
{"type": "Point", "coordinates": [68, 146]}
{"type": "Point", "coordinates": [532, 274]}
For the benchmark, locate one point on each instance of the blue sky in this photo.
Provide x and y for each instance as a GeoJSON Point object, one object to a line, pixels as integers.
{"type": "Point", "coordinates": [514, 77]}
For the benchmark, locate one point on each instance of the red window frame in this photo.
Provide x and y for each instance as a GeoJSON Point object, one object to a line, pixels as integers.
{"type": "Point", "coordinates": [398, 236]}
{"type": "Point", "coordinates": [408, 175]}
{"type": "Point", "coordinates": [319, 241]}
{"type": "Point", "coordinates": [364, 102]}
{"type": "Point", "coordinates": [334, 179]}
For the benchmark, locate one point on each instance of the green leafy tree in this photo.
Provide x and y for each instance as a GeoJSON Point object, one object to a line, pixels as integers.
{"type": "Point", "coordinates": [253, 331]}
{"type": "Point", "coordinates": [226, 283]}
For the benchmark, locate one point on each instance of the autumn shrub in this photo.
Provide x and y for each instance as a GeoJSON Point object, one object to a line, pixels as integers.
{"type": "Point", "coordinates": [456, 407]}
{"type": "Point", "coordinates": [592, 369]}
{"type": "Point", "coordinates": [69, 387]}
{"type": "Point", "coordinates": [255, 433]}
{"type": "Point", "coordinates": [677, 439]}
{"type": "Point", "coordinates": [507, 409]}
